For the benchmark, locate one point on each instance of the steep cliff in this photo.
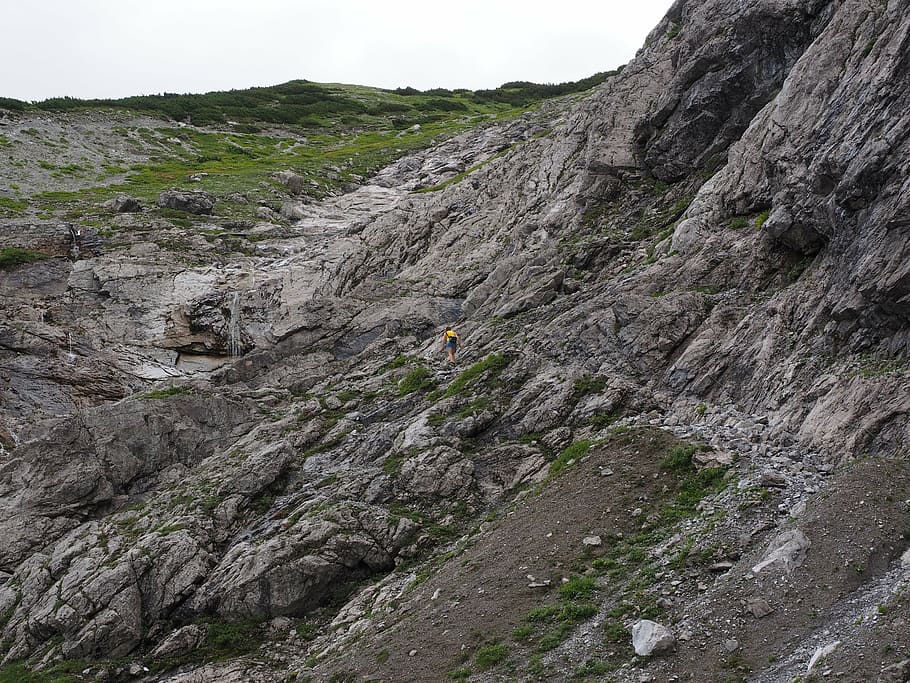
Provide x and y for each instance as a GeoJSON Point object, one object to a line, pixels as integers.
{"type": "Point", "coordinates": [682, 396]}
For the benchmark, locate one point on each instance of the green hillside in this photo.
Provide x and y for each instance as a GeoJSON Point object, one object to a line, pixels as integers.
{"type": "Point", "coordinates": [308, 104]}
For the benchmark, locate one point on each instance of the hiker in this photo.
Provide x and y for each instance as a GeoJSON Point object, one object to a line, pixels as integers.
{"type": "Point", "coordinates": [450, 343]}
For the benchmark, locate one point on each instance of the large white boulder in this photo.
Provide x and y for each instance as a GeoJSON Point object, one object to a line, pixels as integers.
{"type": "Point", "coordinates": [649, 637]}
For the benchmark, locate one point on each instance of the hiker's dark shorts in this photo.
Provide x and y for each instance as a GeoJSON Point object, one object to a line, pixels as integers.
{"type": "Point", "coordinates": [452, 345]}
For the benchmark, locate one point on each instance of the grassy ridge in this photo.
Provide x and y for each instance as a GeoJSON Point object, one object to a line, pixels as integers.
{"type": "Point", "coordinates": [308, 104]}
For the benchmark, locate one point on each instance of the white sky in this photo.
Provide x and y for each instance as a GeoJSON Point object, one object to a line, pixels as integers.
{"type": "Point", "coordinates": [117, 48]}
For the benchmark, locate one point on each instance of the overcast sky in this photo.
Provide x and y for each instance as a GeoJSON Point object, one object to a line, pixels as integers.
{"type": "Point", "coordinates": [117, 48]}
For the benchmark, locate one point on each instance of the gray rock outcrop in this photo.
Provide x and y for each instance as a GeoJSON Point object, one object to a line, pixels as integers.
{"type": "Point", "coordinates": [195, 202]}
{"type": "Point", "coordinates": [123, 203]}
{"type": "Point", "coordinates": [713, 242]}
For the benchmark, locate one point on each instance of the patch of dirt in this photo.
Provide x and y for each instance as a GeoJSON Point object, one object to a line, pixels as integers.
{"type": "Point", "coordinates": [857, 526]}
{"type": "Point", "coordinates": [480, 596]}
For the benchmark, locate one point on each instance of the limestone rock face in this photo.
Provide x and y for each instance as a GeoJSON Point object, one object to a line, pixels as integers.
{"type": "Point", "coordinates": [713, 242]}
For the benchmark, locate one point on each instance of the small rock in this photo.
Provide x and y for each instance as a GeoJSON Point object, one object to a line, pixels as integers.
{"type": "Point", "coordinates": [591, 540]}
{"type": "Point", "coordinates": [722, 566]}
{"type": "Point", "coordinates": [606, 472]}
{"type": "Point", "coordinates": [412, 653]}
{"type": "Point", "coordinates": [821, 653]}
{"type": "Point", "coordinates": [296, 184]}
{"type": "Point", "coordinates": [731, 645]}
{"type": "Point", "coordinates": [712, 459]}
{"type": "Point", "coordinates": [637, 512]}
{"type": "Point", "coordinates": [293, 211]}
{"type": "Point", "coordinates": [905, 559]}
{"type": "Point", "coordinates": [650, 637]}
{"type": "Point", "coordinates": [122, 203]}
{"type": "Point", "coordinates": [264, 213]}
{"type": "Point", "coordinates": [773, 479]}
{"type": "Point", "coordinates": [759, 607]}
{"type": "Point", "coordinates": [279, 624]}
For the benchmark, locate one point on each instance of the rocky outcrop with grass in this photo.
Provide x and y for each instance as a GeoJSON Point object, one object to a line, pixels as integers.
{"type": "Point", "coordinates": [233, 450]}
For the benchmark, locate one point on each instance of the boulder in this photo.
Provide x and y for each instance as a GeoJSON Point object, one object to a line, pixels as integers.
{"type": "Point", "coordinates": [712, 459]}
{"type": "Point", "coordinates": [773, 479]}
{"type": "Point", "coordinates": [898, 672]}
{"type": "Point", "coordinates": [181, 641]}
{"type": "Point", "coordinates": [296, 184]}
{"type": "Point", "coordinates": [195, 202]}
{"type": "Point", "coordinates": [122, 203]}
{"type": "Point", "coordinates": [293, 211]}
{"type": "Point", "coordinates": [650, 637]}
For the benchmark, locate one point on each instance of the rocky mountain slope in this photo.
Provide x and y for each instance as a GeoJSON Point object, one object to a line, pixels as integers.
{"type": "Point", "coordinates": [233, 451]}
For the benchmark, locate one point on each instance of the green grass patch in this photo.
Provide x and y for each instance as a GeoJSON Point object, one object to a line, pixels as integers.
{"type": "Point", "coordinates": [392, 464]}
{"type": "Point", "coordinates": [13, 205]}
{"type": "Point", "coordinates": [398, 362]}
{"type": "Point", "coordinates": [64, 672]}
{"type": "Point", "coordinates": [164, 393]}
{"type": "Point", "coordinates": [490, 655]}
{"type": "Point", "coordinates": [569, 456]}
{"type": "Point", "coordinates": [680, 458]}
{"type": "Point", "coordinates": [588, 384]}
{"type": "Point", "coordinates": [492, 365]}
{"type": "Point", "coordinates": [418, 379]}
{"type": "Point", "coordinates": [761, 218]}
{"type": "Point", "coordinates": [12, 257]}
{"type": "Point", "coordinates": [578, 587]}
{"type": "Point", "coordinates": [871, 367]}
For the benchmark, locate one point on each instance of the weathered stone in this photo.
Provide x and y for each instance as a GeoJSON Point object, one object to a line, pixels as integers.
{"type": "Point", "coordinates": [650, 637]}
{"type": "Point", "coordinates": [293, 211]}
{"type": "Point", "coordinates": [713, 458]}
{"type": "Point", "coordinates": [773, 479]}
{"type": "Point", "coordinates": [296, 184]}
{"type": "Point", "coordinates": [181, 641]}
{"type": "Point", "coordinates": [122, 203]}
{"type": "Point", "coordinates": [785, 553]}
{"type": "Point", "coordinates": [759, 607]}
{"type": "Point", "coordinates": [899, 672]}
{"type": "Point", "coordinates": [820, 653]}
{"type": "Point", "coordinates": [196, 202]}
